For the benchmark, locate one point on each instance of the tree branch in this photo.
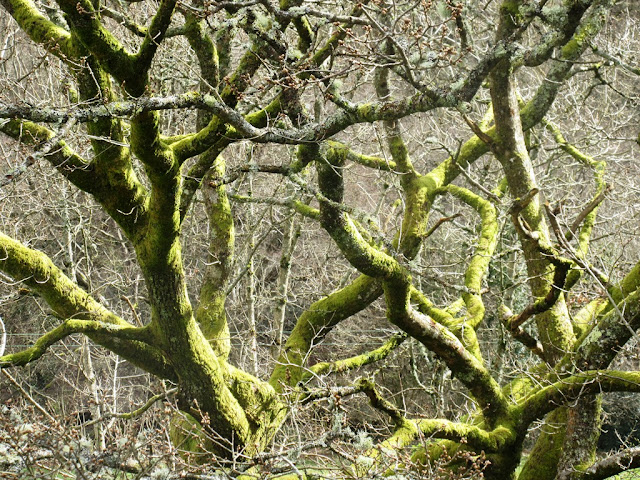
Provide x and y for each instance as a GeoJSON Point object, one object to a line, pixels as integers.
{"type": "Point", "coordinates": [39, 28]}
{"type": "Point", "coordinates": [70, 327]}
{"type": "Point", "coordinates": [37, 271]}
{"type": "Point", "coordinates": [361, 360]}
{"type": "Point", "coordinates": [567, 390]}
{"type": "Point", "coordinates": [608, 467]}
{"type": "Point", "coordinates": [43, 151]}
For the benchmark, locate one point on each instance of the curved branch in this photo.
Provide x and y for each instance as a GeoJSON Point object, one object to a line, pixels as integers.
{"type": "Point", "coordinates": [361, 360]}
{"type": "Point", "coordinates": [75, 168]}
{"type": "Point", "coordinates": [108, 50]}
{"type": "Point", "coordinates": [69, 327]}
{"type": "Point", "coordinates": [477, 268]}
{"type": "Point", "coordinates": [535, 110]}
{"type": "Point", "coordinates": [464, 365]}
{"type": "Point", "coordinates": [37, 271]}
{"type": "Point", "coordinates": [567, 390]}
{"type": "Point", "coordinates": [119, 191]}
{"type": "Point", "coordinates": [39, 28]}
{"type": "Point", "coordinates": [42, 151]}
{"type": "Point", "coordinates": [397, 287]}
{"type": "Point", "coordinates": [365, 160]}
{"type": "Point", "coordinates": [153, 37]}
{"type": "Point", "coordinates": [293, 203]}
{"type": "Point", "coordinates": [477, 438]}
{"type": "Point", "coordinates": [315, 323]}
{"type": "Point", "coordinates": [603, 341]}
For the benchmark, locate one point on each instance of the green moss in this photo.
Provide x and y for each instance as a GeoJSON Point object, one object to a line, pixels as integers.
{"type": "Point", "coordinates": [485, 247]}
{"type": "Point", "coordinates": [542, 463]}
{"type": "Point", "coordinates": [40, 29]}
{"type": "Point", "coordinates": [210, 313]}
{"type": "Point", "coordinates": [316, 322]}
{"type": "Point", "coordinates": [359, 360]}
{"type": "Point", "coordinates": [104, 46]}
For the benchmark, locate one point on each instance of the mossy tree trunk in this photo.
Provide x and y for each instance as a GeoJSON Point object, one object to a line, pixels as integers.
{"type": "Point", "coordinates": [230, 413]}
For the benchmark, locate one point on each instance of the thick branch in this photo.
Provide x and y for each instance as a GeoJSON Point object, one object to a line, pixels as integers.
{"type": "Point", "coordinates": [315, 323]}
{"type": "Point", "coordinates": [67, 300]}
{"type": "Point", "coordinates": [479, 263]}
{"type": "Point", "coordinates": [569, 389]}
{"type": "Point", "coordinates": [39, 28]}
{"type": "Point", "coordinates": [112, 55]}
{"type": "Point", "coordinates": [477, 438]}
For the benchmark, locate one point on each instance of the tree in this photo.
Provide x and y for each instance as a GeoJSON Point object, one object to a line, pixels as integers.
{"type": "Point", "coordinates": [313, 82]}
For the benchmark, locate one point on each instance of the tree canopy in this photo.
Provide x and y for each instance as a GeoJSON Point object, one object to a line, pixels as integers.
{"type": "Point", "coordinates": [218, 192]}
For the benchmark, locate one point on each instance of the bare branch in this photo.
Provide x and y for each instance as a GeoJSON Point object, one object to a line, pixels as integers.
{"type": "Point", "coordinates": [627, 459]}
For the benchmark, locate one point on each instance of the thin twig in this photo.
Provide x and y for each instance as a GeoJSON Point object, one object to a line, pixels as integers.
{"type": "Point", "coordinates": [135, 413]}
{"type": "Point", "coordinates": [26, 394]}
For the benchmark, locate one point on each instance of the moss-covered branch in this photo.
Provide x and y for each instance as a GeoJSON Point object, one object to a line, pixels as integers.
{"type": "Point", "coordinates": [70, 327]}
{"type": "Point", "coordinates": [75, 168]}
{"type": "Point", "coordinates": [477, 438]}
{"type": "Point", "coordinates": [316, 322]}
{"type": "Point", "coordinates": [562, 266]}
{"type": "Point", "coordinates": [465, 366]}
{"type": "Point", "coordinates": [479, 263]}
{"type": "Point", "coordinates": [396, 282]}
{"type": "Point", "coordinates": [599, 345]}
{"type": "Point", "coordinates": [478, 266]}
{"type": "Point", "coordinates": [152, 39]}
{"type": "Point", "coordinates": [39, 28]}
{"type": "Point", "coordinates": [293, 203]}
{"type": "Point", "coordinates": [584, 32]}
{"type": "Point", "coordinates": [395, 142]}
{"type": "Point", "coordinates": [343, 230]}
{"type": "Point", "coordinates": [210, 313]}
{"type": "Point", "coordinates": [566, 390]}
{"type": "Point", "coordinates": [85, 23]}
{"type": "Point", "coordinates": [610, 466]}
{"type": "Point", "coordinates": [370, 161]}
{"type": "Point", "coordinates": [37, 271]}
{"type": "Point", "coordinates": [361, 360]}
{"type": "Point", "coordinates": [583, 224]}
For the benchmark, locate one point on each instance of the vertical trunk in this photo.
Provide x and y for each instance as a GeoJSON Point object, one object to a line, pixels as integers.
{"type": "Point", "coordinates": [583, 430]}
{"type": "Point", "coordinates": [251, 289]}
{"type": "Point", "coordinates": [210, 313]}
{"type": "Point", "coordinates": [553, 326]}
{"type": "Point", "coordinates": [291, 235]}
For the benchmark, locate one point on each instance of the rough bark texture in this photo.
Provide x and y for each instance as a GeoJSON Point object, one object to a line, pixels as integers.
{"type": "Point", "coordinates": [229, 413]}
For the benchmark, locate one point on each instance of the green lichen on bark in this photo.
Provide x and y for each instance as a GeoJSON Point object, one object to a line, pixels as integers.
{"type": "Point", "coordinates": [210, 312]}
{"type": "Point", "coordinates": [344, 365]}
{"type": "Point", "coordinates": [316, 322]}
{"type": "Point", "coordinates": [479, 263]}
{"type": "Point", "coordinates": [39, 28]}
{"type": "Point", "coordinates": [542, 462]}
